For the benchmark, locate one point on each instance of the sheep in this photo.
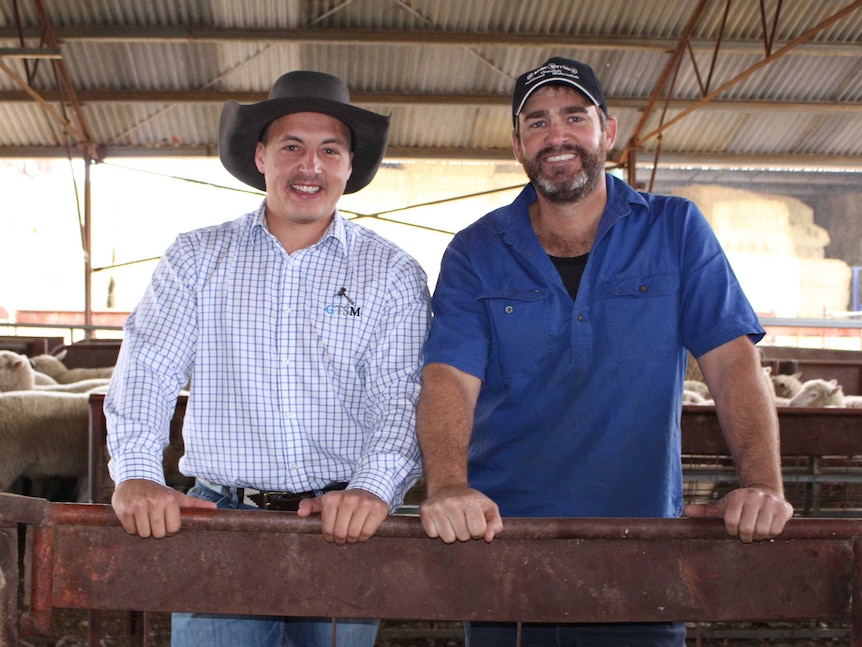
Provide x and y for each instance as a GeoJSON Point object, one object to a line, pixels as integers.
{"type": "Point", "coordinates": [43, 435]}
{"type": "Point", "coordinates": [692, 397]}
{"type": "Point", "coordinates": [786, 386]}
{"type": "Point", "coordinates": [692, 369]}
{"type": "Point", "coordinates": [697, 392]}
{"type": "Point", "coordinates": [16, 374]}
{"type": "Point", "coordinates": [42, 379]}
{"type": "Point", "coordinates": [853, 401]}
{"type": "Point", "coordinates": [698, 387]}
{"type": "Point", "coordinates": [92, 385]}
{"type": "Point", "coordinates": [779, 401]}
{"type": "Point", "coordinates": [53, 365]}
{"type": "Point", "coordinates": [819, 393]}
{"type": "Point", "coordinates": [825, 393]}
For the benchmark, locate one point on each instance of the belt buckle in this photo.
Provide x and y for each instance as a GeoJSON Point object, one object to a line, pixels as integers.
{"type": "Point", "coordinates": [275, 500]}
{"type": "Point", "coordinates": [288, 501]}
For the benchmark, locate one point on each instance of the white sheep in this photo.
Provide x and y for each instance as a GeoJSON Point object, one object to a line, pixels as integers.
{"type": "Point", "coordinates": [787, 386]}
{"type": "Point", "coordinates": [17, 374]}
{"type": "Point", "coordinates": [43, 435]}
{"type": "Point", "coordinates": [42, 379]}
{"type": "Point", "coordinates": [692, 397]}
{"type": "Point", "coordinates": [93, 385]}
{"type": "Point", "coordinates": [819, 393]}
{"type": "Point", "coordinates": [780, 401]}
{"type": "Point", "coordinates": [853, 401]}
{"type": "Point", "coordinates": [697, 392]}
{"type": "Point", "coordinates": [698, 387]}
{"type": "Point", "coordinates": [53, 365]}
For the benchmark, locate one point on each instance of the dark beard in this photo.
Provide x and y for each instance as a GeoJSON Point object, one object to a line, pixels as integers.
{"type": "Point", "coordinates": [558, 190]}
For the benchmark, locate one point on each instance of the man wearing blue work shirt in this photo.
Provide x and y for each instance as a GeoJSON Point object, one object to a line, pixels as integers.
{"type": "Point", "coordinates": [553, 374]}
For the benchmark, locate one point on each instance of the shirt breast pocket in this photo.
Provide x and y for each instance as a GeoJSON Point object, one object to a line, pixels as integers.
{"type": "Point", "coordinates": [642, 316]}
{"type": "Point", "coordinates": [520, 329]}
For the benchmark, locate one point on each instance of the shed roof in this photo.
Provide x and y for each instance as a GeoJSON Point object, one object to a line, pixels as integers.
{"type": "Point", "coordinates": [718, 90]}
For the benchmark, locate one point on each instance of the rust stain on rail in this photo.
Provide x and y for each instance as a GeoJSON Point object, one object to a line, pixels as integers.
{"type": "Point", "coordinates": [537, 570]}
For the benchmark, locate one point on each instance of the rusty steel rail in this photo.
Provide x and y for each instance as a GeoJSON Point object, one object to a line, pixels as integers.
{"type": "Point", "coordinates": [815, 431]}
{"type": "Point", "coordinates": [548, 570]}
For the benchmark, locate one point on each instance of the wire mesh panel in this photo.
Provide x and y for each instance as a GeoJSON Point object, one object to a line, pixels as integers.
{"type": "Point", "coordinates": [816, 486]}
{"type": "Point", "coordinates": [821, 459]}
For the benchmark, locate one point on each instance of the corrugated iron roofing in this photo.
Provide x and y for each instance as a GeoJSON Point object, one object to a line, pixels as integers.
{"type": "Point", "coordinates": [629, 70]}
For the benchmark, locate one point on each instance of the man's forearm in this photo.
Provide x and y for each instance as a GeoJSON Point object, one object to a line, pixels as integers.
{"type": "Point", "coordinates": [444, 422]}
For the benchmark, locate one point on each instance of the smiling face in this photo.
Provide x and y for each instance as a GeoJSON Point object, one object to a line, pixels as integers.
{"type": "Point", "coordinates": [562, 142]}
{"type": "Point", "coordinates": [306, 160]}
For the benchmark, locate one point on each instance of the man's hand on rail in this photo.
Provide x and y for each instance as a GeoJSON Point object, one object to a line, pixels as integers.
{"type": "Point", "coordinates": [346, 516]}
{"type": "Point", "coordinates": [149, 509]}
{"type": "Point", "coordinates": [462, 513]}
{"type": "Point", "coordinates": [752, 513]}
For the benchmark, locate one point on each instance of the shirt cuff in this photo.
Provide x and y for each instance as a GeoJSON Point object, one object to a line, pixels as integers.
{"type": "Point", "coordinates": [137, 466]}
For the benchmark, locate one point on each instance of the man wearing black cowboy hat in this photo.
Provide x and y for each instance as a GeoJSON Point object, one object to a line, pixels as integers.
{"type": "Point", "coordinates": [301, 333]}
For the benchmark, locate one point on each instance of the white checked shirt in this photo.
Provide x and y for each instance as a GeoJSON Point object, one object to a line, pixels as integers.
{"type": "Point", "coordinates": [304, 367]}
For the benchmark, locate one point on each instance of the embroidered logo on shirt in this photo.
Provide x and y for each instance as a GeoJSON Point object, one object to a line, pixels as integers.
{"type": "Point", "coordinates": [340, 309]}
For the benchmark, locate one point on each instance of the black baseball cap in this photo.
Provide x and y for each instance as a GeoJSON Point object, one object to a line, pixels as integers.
{"type": "Point", "coordinates": [558, 70]}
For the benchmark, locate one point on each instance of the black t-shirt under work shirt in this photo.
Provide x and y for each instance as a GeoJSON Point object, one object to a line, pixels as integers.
{"type": "Point", "coordinates": [571, 269]}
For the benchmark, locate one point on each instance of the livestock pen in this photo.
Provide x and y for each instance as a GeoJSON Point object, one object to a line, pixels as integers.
{"type": "Point", "coordinates": [821, 457]}
{"type": "Point", "coordinates": [537, 570]}
{"type": "Point", "coordinates": [567, 570]}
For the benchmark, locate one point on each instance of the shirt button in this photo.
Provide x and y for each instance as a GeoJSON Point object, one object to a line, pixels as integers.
{"type": "Point", "coordinates": [580, 317]}
{"type": "Point", "coordinates": [285, 362]}
{"type": "Point", "coordinates": [509, 310]}
{"type": "Point", "coordinates": [642, 288]}
{"type": "Point", "coordinates": [287, 310]}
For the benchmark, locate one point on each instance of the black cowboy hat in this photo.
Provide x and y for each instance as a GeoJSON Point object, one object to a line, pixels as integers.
{"type": "Point", "coordinates": [241, 126]}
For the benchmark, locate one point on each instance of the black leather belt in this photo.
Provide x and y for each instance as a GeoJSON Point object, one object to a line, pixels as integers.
{"type": "Point", "coordinates": [269, 499]}
{"type": "Point", "coordinates": [288, 501]}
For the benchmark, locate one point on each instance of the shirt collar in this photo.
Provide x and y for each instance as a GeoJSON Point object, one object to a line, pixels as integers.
{"type": "Point", "coordinates": [622, 200]}
{"type": "Point", "coordinates": [258, 222]}
{"type": "Point", "coordinates": [337, 231]}
{"type": "Point", "coordinates": [514, 221]}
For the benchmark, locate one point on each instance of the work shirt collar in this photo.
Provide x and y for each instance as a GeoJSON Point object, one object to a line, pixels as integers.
{"type": "Point", "coordinates": [337, 232]}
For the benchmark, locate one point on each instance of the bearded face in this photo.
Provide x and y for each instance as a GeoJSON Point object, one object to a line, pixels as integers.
{"type": "Point", "coordinates": [561, 184]}
{"type": "Point", "coordinates": [562, 140]}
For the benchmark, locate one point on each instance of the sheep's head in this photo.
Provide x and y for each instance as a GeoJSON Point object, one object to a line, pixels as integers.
{"type": "Point", "coordinates": [49, 365]}
{"type": "Point", "coordinates": [16, 373]}
{"type": "Point", "coordinates": [787, 386]}
{"type": "Point", "coordinates": [819, 393]}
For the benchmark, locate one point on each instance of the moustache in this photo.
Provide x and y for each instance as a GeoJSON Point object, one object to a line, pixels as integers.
{"type": "Point", "coordinates": [301, 178]}
{"type": "Point", "coordinates": [580, 151]}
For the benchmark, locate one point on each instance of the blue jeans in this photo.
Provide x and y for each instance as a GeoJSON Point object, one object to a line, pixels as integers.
{"type": "Point", "coordinates": [503, 634]}
{"type": "Point", "coordinates": [209, 630]}
{"type": "Point", "coordinates": [205, 630]}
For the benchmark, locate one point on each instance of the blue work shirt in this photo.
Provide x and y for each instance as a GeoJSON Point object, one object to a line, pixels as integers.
{"type": "Point", "coordinates": [579, 410]}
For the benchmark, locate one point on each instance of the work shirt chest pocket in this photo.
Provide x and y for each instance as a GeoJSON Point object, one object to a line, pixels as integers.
{"type": "Point", "coordinates": [521, 329]}
{"type": "Point", "coordinates": [642, 316]}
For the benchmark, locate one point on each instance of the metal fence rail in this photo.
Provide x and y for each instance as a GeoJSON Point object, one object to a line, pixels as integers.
{"type": "Point", "coordinates": [548, 570]}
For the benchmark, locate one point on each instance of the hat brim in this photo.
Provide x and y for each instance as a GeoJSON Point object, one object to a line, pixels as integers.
{"type": "Point", "coordinates": [241, 126]}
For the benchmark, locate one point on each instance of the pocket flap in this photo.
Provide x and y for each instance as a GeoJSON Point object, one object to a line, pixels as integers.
{"type": "Point", "coordinates": [529, 296]}
{"type": "Point", "coordinates": [643, 286]}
